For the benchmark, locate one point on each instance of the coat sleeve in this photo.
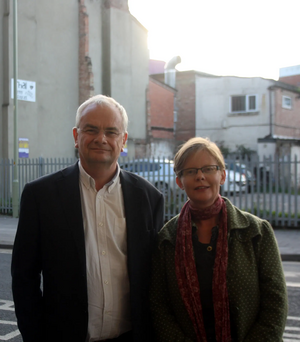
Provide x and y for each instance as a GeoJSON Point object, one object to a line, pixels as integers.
{"type": "Point", "coordinates": [165, 324]}
{"type": "Point", "coordinates": [271, 320]}
{"type": "Point", "coordinates": [26, 270]}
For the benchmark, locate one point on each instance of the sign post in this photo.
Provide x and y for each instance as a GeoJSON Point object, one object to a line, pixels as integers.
{"type": "Point", "coordinates": [15, 187]}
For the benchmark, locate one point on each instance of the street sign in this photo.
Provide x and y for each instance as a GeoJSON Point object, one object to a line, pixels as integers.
{"type": "Point", "coordinates": [23, 148]}
{"type": "Point", "coordinates": [25, 90]}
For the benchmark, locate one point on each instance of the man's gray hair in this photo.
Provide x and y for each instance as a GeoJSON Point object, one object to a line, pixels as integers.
{"type": "Point", "coordinates": [103, 100]}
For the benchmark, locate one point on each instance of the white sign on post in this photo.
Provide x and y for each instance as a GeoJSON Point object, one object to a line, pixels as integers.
{"type": "Point", "coordinates": [25, 90]}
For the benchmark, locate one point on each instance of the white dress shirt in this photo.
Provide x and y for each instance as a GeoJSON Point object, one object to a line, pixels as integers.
{"type": "Point", "coordinates": [106, 257]}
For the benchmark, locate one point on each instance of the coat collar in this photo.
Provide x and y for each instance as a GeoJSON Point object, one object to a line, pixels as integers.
{"type": "Point", "coordinates": [238, 221]}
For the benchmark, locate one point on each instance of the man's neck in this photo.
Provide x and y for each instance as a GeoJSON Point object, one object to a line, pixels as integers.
{"type": "Point", "coordinates": [101, 174]}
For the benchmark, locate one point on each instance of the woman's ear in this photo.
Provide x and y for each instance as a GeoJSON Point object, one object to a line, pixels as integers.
{"type": "Point", "coordinates": [223, 177]}
{"type": "Point", "coordinates": [179, 183]}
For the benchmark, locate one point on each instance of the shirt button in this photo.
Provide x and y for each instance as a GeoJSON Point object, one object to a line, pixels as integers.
{"type": "Point", "coordinates": [106, 282]}
{"type": "Point", "coordinates": [103, 252]}
{"type": "Point", "coordinates": [100, 224]}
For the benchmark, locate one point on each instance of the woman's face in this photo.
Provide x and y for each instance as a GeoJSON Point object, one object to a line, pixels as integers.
{"type": "Point", "coordinates": [202, 188]}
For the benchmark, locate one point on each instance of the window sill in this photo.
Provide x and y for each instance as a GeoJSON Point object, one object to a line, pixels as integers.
{"type": "Point", "coordinates": [243, 114]}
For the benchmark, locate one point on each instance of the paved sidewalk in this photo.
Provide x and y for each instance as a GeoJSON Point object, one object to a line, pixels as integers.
{"type": "Point", "coordinates": [8, 228]}
{"type": "Point", "coordinates": [288, 239]}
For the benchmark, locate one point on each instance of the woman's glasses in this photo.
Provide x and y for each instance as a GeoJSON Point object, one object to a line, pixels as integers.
{"type": "Point", "coordinates": [207, 170]}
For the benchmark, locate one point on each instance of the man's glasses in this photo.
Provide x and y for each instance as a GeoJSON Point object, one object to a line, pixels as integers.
{"type": "Point", "coordinates": [207, 170]}
{"type": "Point", "coordinates": [109, 133]}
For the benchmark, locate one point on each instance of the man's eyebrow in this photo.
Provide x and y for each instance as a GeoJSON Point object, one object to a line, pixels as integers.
{"type": "Point", "coordinates": [112, 128]}
{"type": "Point", "coordinates": [90, 126]}
{"type": "Point", "coordinates": [96, 127]}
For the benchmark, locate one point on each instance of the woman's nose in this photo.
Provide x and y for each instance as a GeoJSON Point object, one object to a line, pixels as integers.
{"type": "Point", "coordinates": [200, 174]}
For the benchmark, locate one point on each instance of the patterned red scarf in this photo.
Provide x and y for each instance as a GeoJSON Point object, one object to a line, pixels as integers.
{"type": "Point", "coordinates": [187, 274]}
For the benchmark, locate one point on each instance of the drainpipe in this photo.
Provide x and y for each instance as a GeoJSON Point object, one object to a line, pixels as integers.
{"type": "Point", "coordinates": [271, 110]}
{"type": "Point", "coordinates": [170, 72]}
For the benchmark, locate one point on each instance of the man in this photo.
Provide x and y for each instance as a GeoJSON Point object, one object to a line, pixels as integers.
{"type": "Point", "coordinates": [88, 230]}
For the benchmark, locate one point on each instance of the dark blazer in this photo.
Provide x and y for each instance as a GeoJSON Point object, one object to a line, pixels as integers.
{"type": "Point", "coordinates": [50, 242]}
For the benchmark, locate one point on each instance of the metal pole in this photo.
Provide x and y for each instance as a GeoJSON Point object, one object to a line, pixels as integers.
{"type": "Point", "coordinates": [15, 189]}
{"type": "Point", "coordinates": [271, 110]}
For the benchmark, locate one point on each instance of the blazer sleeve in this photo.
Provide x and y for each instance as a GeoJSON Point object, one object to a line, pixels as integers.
{"type": "Point", "coordinates": [26, 270]}
{"type": "Point", "coordinates": [271, 321]}
{"type": "Point", "coordinates": [158, 220]}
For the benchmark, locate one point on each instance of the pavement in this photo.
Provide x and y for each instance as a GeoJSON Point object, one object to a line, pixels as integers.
{"type": "Point", "coordinates": [288, 239]}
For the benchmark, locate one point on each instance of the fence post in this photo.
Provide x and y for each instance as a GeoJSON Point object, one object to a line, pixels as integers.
{"type": "Point", "coordinates": [41, 166]}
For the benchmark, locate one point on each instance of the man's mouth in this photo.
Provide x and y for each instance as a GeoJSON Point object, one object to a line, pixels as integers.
{"type": "Point", "coordinates": [99, 149]}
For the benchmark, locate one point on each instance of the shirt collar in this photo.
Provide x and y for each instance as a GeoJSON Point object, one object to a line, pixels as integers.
{"type": "Point", "coordinates": [89, 181]}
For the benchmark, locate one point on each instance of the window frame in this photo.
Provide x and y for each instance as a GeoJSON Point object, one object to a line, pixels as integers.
{"type": "Point", "coordinates": [284, 105]}
{"type": "Point", "coordinates": [247, 98]}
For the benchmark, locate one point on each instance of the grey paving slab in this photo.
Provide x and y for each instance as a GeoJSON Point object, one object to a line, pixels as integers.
{"type": "Point", "coordinates": [288, 243]}
{"type": "Point", "coordinates": [8, 228]}
{"type": "Point", "coordinates": [288, 239]}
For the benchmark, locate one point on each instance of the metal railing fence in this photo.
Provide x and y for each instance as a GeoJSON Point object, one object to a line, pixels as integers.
{"type": "Point", "coordinates": [268, 188]}
{"type": "Point", "coordinates": [29, 170]}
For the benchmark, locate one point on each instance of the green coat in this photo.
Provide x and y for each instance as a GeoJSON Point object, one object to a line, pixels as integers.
{"type": "Point", "coordinates": [255, 281]}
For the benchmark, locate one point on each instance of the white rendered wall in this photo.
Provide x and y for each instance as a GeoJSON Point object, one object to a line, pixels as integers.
{"type": "Point", "coordinates": [213, 117]}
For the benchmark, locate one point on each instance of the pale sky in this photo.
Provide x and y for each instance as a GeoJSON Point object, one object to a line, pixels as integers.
{"type": "Point", "coordinates": [223, 37]}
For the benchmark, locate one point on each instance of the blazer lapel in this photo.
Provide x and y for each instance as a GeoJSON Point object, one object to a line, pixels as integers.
{"type": "Point", "coordinates": [69, 191]}
{"type": "Point", "coordinates": [133, 199]}
{"type": "Point", "coordinates": [133, 195]}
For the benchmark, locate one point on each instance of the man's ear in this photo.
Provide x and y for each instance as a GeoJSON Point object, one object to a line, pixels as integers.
{"type": "Point", "coordinates": [75, 136]}
{"type": "Point", "coordinates": [124, 139]}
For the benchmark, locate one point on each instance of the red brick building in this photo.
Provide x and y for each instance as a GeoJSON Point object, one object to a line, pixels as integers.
{"type": "Point", "coordinates": [290, 75]}
{"type": "Point", "coordinates": [286, 120]}
{"type": "Point", "coordinates": [161, 109]}
{"type": "Point", "coordinates": [178, 113]}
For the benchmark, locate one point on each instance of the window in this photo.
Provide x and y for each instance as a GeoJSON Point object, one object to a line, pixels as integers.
{"type": "Point", "coordinates": [286, 102]}
{"type": "Point", "coordinates": [243, 103]}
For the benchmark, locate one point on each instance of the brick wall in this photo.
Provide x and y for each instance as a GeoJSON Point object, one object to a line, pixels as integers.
{"type": "Point", "coordinates": [186, 102]}
{"type": "Point", "coordinates": [86, 77]}
{"type": "Point", "coordinates": [161, 109]}
{"type": "Point", "coordinates": [293, 80]}
{"type": "Point", "coordinates": [287, 121]}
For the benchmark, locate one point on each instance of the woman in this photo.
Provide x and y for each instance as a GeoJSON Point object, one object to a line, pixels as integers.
{"type": "Point", "coordinates": [217, 272]}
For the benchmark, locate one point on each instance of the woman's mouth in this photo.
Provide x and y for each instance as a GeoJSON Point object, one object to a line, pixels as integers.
{"type": "Point", "coordinates": [201, 187]}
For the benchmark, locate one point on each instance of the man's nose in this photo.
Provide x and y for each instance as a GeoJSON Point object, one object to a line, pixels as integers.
{"type": "Point", "coordinates": [101, 136]}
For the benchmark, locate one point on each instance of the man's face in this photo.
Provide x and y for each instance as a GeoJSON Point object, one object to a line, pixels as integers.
{"type": "Point", "coordinates": [100, 136]}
